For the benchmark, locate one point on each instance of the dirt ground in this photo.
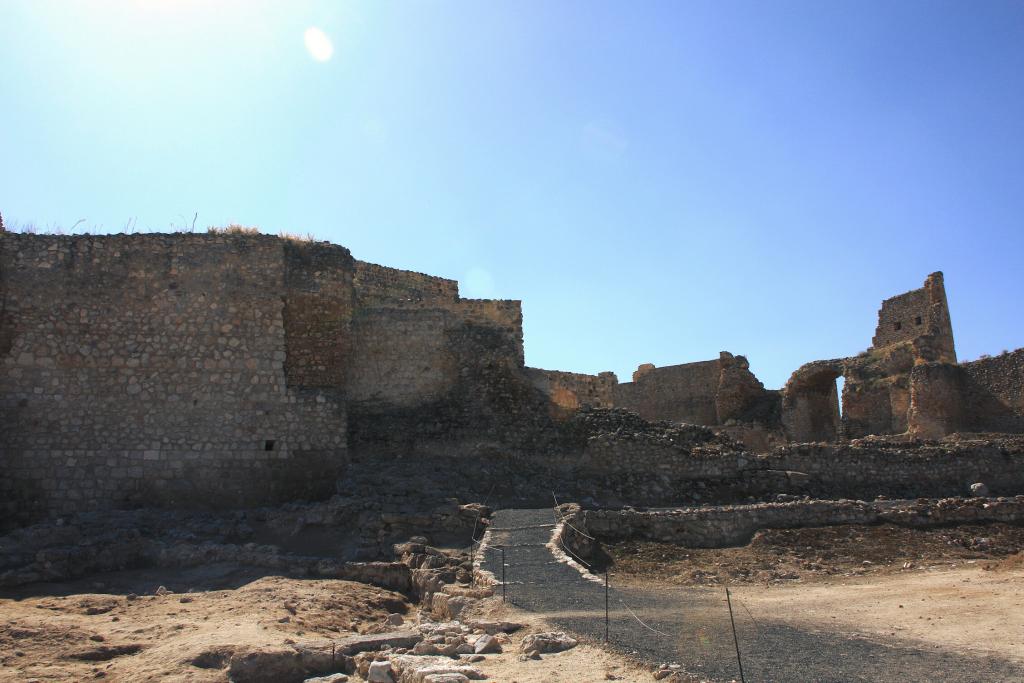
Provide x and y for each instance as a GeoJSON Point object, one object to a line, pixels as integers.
{"type": "Point", "coordinates": [585, 663]}
{"type": "Point", "coordinates": [114, 627]}
{"type": "Point", "coordinates": [957, 589]}
{"type": "Point", "coordinates": [967, 610]}
{"type": "Point", "coordinates": [818, 554]}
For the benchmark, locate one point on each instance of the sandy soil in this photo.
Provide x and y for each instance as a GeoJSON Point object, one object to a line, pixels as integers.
{"type": "Point", "coordinates": [585, 663]}
{"type": "Point", "coordinates": [780, 556]}
{"type": "Point", "coordinates": [960, 589]}
{"type": "Point", "coordinates": [74, 632]}
{"type": "Point", "coordinates": [968, 610]}
{"type": "Point", "coordinates": [82, 634]}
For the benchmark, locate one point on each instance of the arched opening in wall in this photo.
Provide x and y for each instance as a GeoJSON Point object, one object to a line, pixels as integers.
{"type": "Point", "coordinates": [840, 383]}
{"type": "Point", "coordinates": [810, 406]}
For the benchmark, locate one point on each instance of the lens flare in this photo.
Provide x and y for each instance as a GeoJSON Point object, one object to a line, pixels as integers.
{"type": "Point", "coordinates": [318, 44]}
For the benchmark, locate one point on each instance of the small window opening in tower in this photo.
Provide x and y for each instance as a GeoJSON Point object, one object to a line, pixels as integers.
{"type": "Point", "coordinates": [268, 445]}
{"type": "Point", "coordinates": [898, 326]}
{"type": "Point", "coordinates": [840, 383]}
{"type": "Point", "coordinates": [917, 320]}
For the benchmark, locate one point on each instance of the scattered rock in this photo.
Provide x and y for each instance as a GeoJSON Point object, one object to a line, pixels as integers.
{"type": "Point", "coordinates": [395, 619]}
{"type": "Point", "coordinates": [492, 627]}
{"type": "Point", "coordinates": [412, 669]}
{"type": "Point", "coordinates": [486, 644]}
{"type": "Point", "coordinates": [551, 641]}
{"type": "Point", "coordinates": [380, 672]}
{"type": "Point", "coordinates": [979, 489]}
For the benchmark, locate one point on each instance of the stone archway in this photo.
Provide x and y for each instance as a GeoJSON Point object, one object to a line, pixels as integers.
{"type": "Point", "coordinates": [810, 402]}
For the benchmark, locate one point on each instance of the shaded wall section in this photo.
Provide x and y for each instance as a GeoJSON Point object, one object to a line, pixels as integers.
{"type": "Point", "coordinates": [985, 395]}
{"type": "Point", "coordinates": [151, 369]}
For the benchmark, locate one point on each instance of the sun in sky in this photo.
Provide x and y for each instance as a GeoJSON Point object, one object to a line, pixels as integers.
{"type": "Point", "coordinates": [318, 44]}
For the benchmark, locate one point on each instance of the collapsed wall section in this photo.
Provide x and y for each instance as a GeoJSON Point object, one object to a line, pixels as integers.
{"type": "Point", "coordinates": [152, 370]}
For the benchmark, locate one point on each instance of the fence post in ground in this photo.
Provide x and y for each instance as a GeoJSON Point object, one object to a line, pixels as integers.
{"type": "Point", "coordinates": [735, 640]}
{"type": "Point", "coordinates": [606, 606]}
{"type": "Point", "coordinates": [503, 573]}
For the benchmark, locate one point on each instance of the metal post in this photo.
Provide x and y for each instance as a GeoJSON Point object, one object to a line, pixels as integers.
{"type": "Point", "coordinates": [503, 573]}
{"type": "Point", "coordinates": [735, 640]}
{"type": "Point", "coordinates": [606, 606]}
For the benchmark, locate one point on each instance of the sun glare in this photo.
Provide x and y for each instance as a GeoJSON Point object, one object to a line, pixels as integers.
{"type": "Point", "coordinates": [318, 44]}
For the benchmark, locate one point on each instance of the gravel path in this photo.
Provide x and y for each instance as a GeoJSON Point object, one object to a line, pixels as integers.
{"type": "Point", "coordinates": [690, 626]}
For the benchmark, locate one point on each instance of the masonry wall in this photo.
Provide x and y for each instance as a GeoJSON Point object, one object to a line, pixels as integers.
{"type": "Point", "coordinates": [382, 285]}
{"type": "Point", "coordinates": [985, 395]}
{"type": "Point", "coordinates": [572, 390]}
{"type": "Point", "coordinates": [680, 393]}
{"type": "Point", "coordinates": [432, 372]}
{"type": "Point", "coordinates": [154, 370]}
{"type": "Point", "coordinates": [995, 386]}
{"type": "Point", "coordinates": [920, 314]}
{"type": "Point", "coordinates": [403, 326]}
{"type": "Point", "coordinates": [719, 527]}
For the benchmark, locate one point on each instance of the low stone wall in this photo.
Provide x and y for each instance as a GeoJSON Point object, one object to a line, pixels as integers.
{"type": "Point", "coordinates": [724, 526]}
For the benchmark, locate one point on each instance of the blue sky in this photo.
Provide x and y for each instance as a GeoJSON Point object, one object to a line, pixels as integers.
{"type": "Point", "coordinates": [656, 181]}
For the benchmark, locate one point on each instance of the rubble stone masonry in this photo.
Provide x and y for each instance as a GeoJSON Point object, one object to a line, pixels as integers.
{"type": "Point", "coordinates": [152, 369]}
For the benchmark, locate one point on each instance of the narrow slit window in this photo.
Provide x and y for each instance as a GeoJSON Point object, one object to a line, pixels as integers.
{"type": "Point", "coordinates": [917, 320]}
{"type": "Point", "coordinates": [898, 326]}
{"type": "Point", "coordinates": [268, 445]}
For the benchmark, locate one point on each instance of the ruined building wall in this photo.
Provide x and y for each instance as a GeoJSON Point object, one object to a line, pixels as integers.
{"type": "Point", "coordinates": [985, 395]}
{"type": "Point", "coordinates": [997, 380]}
{"type": "Point", "coordinates": [679, 393]}
{"type": "Point", "coordinates": [430, 370]}
{"type": "Point", "coordinates": [403, 326]}
{"type": "Point", "coordinates": [919, 313]}
{"type": "Point", "coordinates": [154, 369]}
{"type": "Point", "coordinates": [712, 392]}
{"type": "Point", "coordinates": [913, 328]}
{"type": "Point", "coordinates": [572, 390]}
{"type": "Point", "coordinates": [382, 285]}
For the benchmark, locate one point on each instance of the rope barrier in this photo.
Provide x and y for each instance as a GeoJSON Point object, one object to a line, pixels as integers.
{"type": "Point", "coordinates": [562, 520]}
{"type": "Point", "coordinates": [640, 621]}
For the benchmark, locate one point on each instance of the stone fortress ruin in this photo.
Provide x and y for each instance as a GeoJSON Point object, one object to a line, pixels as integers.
{"type": "Point", "coordinates": [290, 421]}
{"type": "Point", "coordinates": [243, 369]}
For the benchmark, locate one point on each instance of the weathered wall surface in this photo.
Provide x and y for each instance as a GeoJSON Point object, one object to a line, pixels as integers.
{"type": "Point", "coordinates": [985, 395]}
{"type": "Point", "coordinates": [913, 328]}
{"type": "Point", "coordinates": [572, 390]}
{"type": "Point", "coordinates": [432, 373]}
{"type": "Point", "coordinates": [382, 285]}
{"type": "Point", "coordinates": [318, 304]}
{"type": "Point", "coordinates": [719, 527]}
{"type": "Point", "coordinates": [680, 393]}
{"type": "Point", "coordinates": [917, 314]}
{"type": "Point", "coordinates": [995, 396]}
{"type": "Point", "coordinates": [152, 370]}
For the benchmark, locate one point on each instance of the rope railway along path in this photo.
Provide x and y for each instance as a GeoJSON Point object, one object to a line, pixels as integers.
{"type": "Point", "coordinates": [690, 626]}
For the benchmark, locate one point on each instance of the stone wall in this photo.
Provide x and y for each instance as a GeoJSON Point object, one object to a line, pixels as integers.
{"type": "Point", "coordinates": [318, 305]}
{"type": "Point", "coordinates": [915, 314]}
{"type": "Point", "coordinates": [382, 285]}
{"type": "Point", "coordinates": [719, 527]}
{"type": "Point", "coordinates": [995, 399]}
{"type": "Point", "coordinates": [985, 395]}
{"type": "Point", "coordinates": [680, 393]}
{"type": "Point", "coordinates": [713, 392]}
{"type": "Point", "coordinates": [153, 370]}
{"type": "Point", "coordinates": [571, 391]}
